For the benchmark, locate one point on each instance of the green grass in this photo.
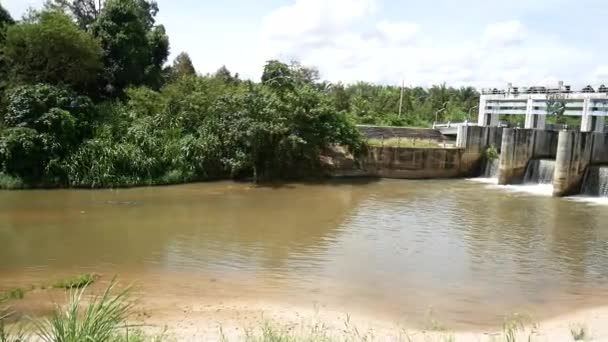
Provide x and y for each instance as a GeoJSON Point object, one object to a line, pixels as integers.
{"type": "Point", "coordinates": [76, 282]}
{"type": "Point", "coordinates": [14, 293]}
{"type": "Point", "coordinates": [100, 321]}
{"type": "Point", "coordinates": [270, 333]}
{"type": "Point", "coordinates": [409, 143]}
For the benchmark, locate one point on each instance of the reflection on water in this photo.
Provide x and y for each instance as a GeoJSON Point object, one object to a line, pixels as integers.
{"type": "Point", "coordinates": [471, 252]}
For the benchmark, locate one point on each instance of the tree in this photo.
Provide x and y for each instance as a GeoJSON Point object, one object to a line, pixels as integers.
{"type": "Point", "coordinates": [52, 50]}
{"type": "Point", "coordinates": [43, 124]}
{"type": "Point", "coordinates": [182, 66]}
{"type": "Point", "coordinates": [304, 74]}
{"type": "Point", "coordinates": [135, 49]}
{"type": "Point", "coordinates": [556, 105]}
{"type": "Point", "coordinates": [85, 12]}
{"type": "Point", "coordinates": [277, 75]}
{"type": "Point", "coordinates": [5, 21]}
{"type": "Point", "coordinates": [226, 76]}
{"type": "Point", "coordinates": [5, 17]}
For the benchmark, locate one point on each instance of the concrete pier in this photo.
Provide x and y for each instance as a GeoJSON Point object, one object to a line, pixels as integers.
{"type": "Point", "coordinates": [475, 140]}
{"type": "Point", "coordinates": [518, 147]}
{"type": "Point", "coordinates": [576, 151]}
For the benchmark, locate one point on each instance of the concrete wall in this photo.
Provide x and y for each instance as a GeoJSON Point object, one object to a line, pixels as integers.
{"type": "Point", "coordinates": [518, 147]}
{"type": "Point", "coordinates": [388, 132]}
{"type": "Point", "coordinates": [395, 162]}
{"type": "Point", "coordinates": [475, 140]}
{"type": "Point", "coordinates": [413, 163]}
{"type": "Point", "coordinates": [575, 152]}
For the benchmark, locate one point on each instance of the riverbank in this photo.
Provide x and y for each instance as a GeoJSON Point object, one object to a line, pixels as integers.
{"type": "Point", "coordinates": [195, 308]}
{"type": "Point", "coordinates": [260, 320]}
{"type": "Point", "coordinates": [236, 321]}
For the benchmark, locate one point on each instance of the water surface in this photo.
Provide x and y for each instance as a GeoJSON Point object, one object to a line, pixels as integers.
{"type": "Point", "coordinates": [468, 251]}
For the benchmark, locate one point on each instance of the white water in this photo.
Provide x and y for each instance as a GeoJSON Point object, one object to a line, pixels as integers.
{"type": "Point", "coordinates": [539, 176]}
{"type": "Point", "coordinates": [539, 171]}
{"type": "Point", "coordinates": [595, 183]}
{"type": "Point", "coordinates": [537, 180]}
{"type": "Point", "coordinates": [490, 169]}
{"type": "Point", "coordinates": [589, 199]}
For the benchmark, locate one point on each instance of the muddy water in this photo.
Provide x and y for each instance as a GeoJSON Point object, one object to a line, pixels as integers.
{"type": "Point", "coordinates": [466, 252]}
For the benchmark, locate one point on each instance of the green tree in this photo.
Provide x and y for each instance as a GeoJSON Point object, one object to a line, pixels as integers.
{"type": "Point", "coordinates": [5, 21]}
{"type": "Point", "coordinates": [304, 74]}
{"type": "Point", "coordinates": [85, 12]}
{"type": "Point", "coordinates": [182, 66]}
{"type": "Point", "coordinates": [226, 76]}
{"type": "Point", "coordinates": [135, 49]}
{"type": "Point", "coordinates": [52, 50]}
{"type": "Point", "coordinates": [5, 17]}
{"type": "Point", "coordinates": [278, 75]}
{"type": "Point", "coordinates": [43, 125]}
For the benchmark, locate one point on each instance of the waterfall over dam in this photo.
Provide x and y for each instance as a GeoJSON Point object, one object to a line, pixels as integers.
{"type": "Point", "coordinates": [490, 168]}
{"type": "Point", "coordinates": [539, 171]}
{"type": "Point", "coordinates": [596, 181]}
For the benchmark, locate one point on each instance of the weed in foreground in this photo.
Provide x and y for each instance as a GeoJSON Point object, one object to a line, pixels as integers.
{"type": "Point", "coordinates": [14, 293]}
{"type": "Point", "coordinates": [100, 321]}
{"type": "Point", "coordinates": [15, 334]}
{"type": "Point", "coordinates": [579, 332]}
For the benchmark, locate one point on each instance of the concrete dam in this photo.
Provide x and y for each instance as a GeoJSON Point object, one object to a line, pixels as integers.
{"type": "Point", "coordinates": [572, 162]}
{"type": "Point", "coordinates": [569, 161]}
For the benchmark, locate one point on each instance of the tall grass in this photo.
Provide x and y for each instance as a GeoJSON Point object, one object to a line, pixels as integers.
{"type": "Point", "coordinates": [101, 321]}
{"type": "Point", "coordinates": [14, 293]}
{"type": "Point", "coordinates": [77, 282]}
{"type": "Point", "coordinates": [10, 335]}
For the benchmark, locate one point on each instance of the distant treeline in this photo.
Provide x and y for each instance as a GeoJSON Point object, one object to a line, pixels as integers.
{"type": "Point", "coordinates": [88, 100]}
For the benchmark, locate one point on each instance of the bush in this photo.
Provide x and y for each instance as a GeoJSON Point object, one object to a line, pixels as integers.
{"type": "Point", "coordinates": [23, 153]}
{"type": "Point", "coordinates": [491, 153]}
{"type": "Point", "coordinates": [51, 49]}
{"type": "Point", "coordinates": [8, 182]}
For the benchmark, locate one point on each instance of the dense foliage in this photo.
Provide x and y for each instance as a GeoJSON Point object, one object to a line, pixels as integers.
{"type": "Point", "coordinates": [52, 49]}
{"type": "Point", "coordinates": [87, 101]}
{"type": "Point", "coordinates": [379, 105]}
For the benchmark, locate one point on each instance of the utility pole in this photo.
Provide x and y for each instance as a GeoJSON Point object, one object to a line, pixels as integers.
{"type": "Point", "coordinates": [401, 97]}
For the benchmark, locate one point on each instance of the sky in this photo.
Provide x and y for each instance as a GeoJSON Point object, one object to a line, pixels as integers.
{"type": "Point", "coordinates": [480, 43]}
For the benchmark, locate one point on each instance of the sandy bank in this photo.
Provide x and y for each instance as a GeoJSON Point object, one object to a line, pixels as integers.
{"type": "Point", "coordinates": [235, 320]}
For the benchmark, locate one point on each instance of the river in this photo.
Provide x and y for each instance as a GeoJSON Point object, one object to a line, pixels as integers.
{"type": "Point", "coordinates": [467, 252]}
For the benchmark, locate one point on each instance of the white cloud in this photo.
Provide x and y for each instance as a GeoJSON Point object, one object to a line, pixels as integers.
{"type": "Point", "coordinates": [351, 40]}
{"type": "Point", "coordinates": [601, 73]}
{"type": "Point", "coordinates": [397, 32]}
{"type": "Point", "coordinates": [505, 34]}
{"type": "Point", "coordinates": [314, 23]}
{"type": "Point", "coordinates": [356, 45]}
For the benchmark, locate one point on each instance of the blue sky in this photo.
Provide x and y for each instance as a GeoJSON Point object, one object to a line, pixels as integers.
{"type": "Point", "coordinates": [483, 43]}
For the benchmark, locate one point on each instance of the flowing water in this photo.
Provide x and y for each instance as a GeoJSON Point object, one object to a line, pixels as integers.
{"type": "Point", "coordinates": [391, 248]}
{"type": "Point", "coordinates": [540, 171]}
{"type": "Point", "coordinates": [596, 181]}
{"type": "Point", "coordinates": [490, 168]}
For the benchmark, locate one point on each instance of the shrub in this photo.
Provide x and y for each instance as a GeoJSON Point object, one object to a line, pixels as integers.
{"type": "Point", "coordinates": [100, 321]}
{"type": "Point", "coordinates": [491, 153]}
{"type": "Point", "coordinates": [80, 281]}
